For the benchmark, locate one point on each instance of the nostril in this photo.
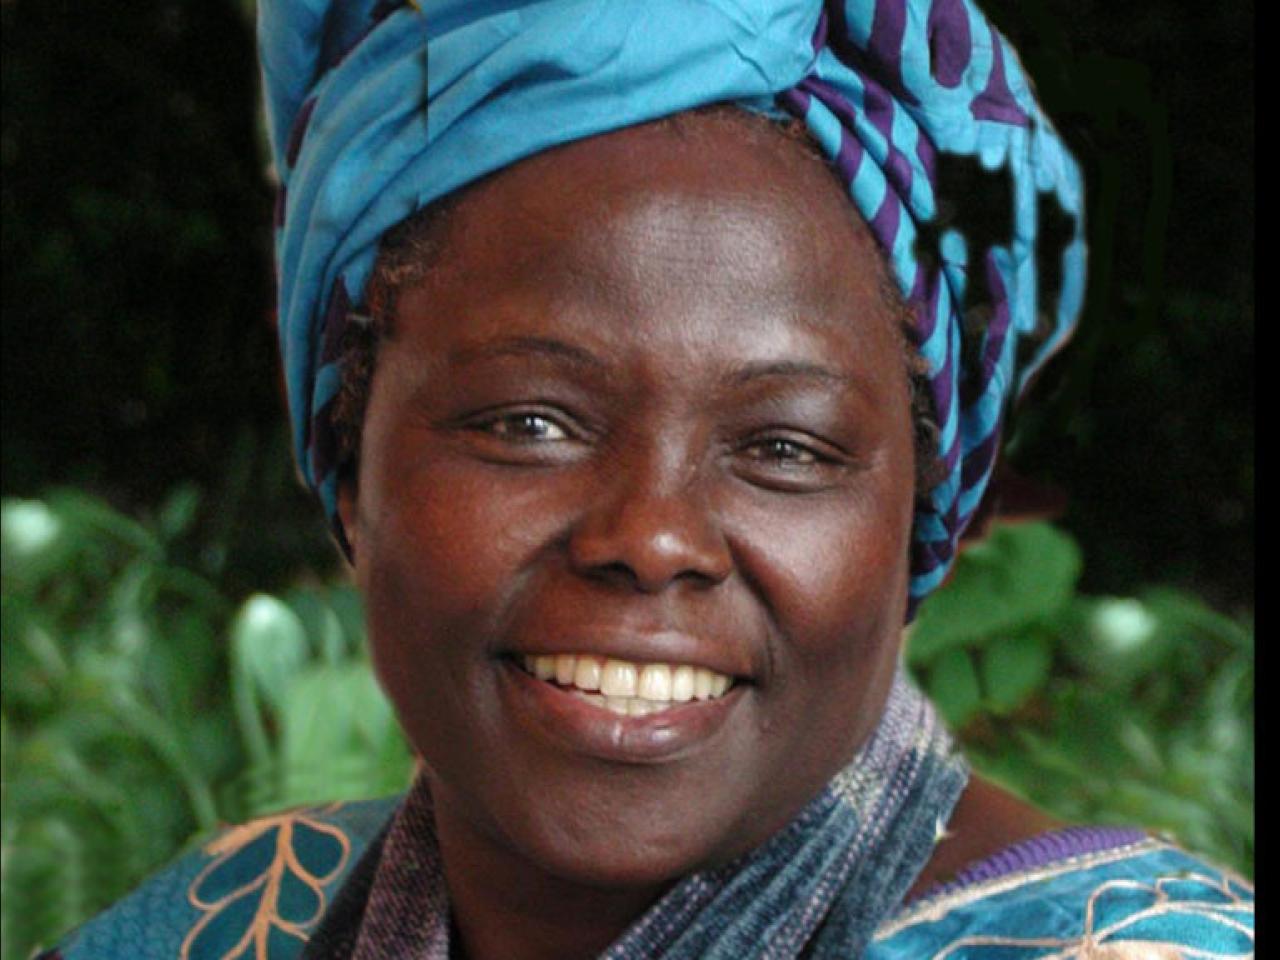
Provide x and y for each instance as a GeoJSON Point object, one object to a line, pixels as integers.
{"type": "Point", "coordinates": [652, 562]}
{"type": "Point", "coordinates": [613, 572]}
{"type": "Point", "coordinates": [648, 532]}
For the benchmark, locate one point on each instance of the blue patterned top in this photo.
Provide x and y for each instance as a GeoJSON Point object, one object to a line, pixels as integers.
{"type": "Point", "coordinates": [1144, 900]}
{"type": "Point", "coordinates": [258, 891]}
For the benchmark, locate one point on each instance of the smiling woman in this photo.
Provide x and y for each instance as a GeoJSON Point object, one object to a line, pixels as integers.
{"type": "Point", "coordinates": [681, 420]}
{"type": "Point", "coordinates": [644, 442]}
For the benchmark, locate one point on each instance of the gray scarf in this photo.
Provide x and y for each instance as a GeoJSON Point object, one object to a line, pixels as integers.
{"type": "Point", "coordinates": [817, 889]}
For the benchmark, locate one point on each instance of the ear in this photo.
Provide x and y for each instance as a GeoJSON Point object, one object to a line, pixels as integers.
{"type": "Point", "coordinates": [348, 512]}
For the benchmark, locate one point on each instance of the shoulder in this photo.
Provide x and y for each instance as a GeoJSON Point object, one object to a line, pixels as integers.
{"type": "Point", "coordinates": [1097, 893]}
{"type": "Point", "coordinates": [257, 890]}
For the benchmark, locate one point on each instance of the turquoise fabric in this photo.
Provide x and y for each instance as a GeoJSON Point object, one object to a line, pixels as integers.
{"type": "Point", "coordinates": [254, 892]}
{"type": "Point", "coordinates": [1119, 904]}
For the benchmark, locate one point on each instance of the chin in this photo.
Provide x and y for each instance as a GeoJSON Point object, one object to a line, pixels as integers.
{"type": "Point", "coordinates": [626, 838]}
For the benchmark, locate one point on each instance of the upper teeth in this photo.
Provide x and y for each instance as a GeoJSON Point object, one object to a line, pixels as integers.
{"type": "Point", "coordinates": [658, 682]}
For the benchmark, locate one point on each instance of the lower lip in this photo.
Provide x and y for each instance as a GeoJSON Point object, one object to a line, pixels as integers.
{"type": "Point", "coordinates": [596, 731]}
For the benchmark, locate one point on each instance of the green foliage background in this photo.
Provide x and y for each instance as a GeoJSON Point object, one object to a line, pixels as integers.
{"type": "Point", "coordinates": [173, 614]}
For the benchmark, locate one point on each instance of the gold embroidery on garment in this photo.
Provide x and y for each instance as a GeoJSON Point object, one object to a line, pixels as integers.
{"type": "Point", "coordinates": [934, 908]}
{"type": "Point", "coordinates": [267, 884]}
{"type": "Point", "coordinates": [1104, 943]}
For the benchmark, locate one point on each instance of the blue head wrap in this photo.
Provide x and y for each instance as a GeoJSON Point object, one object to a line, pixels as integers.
{"type": "Point", "coordinates": [378, 107]}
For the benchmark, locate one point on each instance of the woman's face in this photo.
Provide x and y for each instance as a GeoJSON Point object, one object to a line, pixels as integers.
{"type": "Point", "coordinates": [649, 407]}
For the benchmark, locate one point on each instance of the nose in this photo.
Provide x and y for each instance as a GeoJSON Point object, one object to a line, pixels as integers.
{"type": "Point", "coordinates": [648, 529]}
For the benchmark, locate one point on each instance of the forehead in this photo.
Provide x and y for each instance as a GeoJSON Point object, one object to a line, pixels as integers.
{"type": "Point", "coordinates": [720, 220]}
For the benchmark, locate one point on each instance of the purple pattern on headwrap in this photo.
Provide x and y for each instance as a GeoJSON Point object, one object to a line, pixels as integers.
{"type": "Point", "coordinates": [928, 157]}
{"type": "Point", "coordinates": [885, 46]}
{"type": "Point", "coordinates": [950, 46]}
{"type": "Point", "coordinates": [820, 33]}
{"type": "Point", "coordinates": [795, 101]}
{"type": "Point", "coordinates": [997, 102]}
{"type": "Point", "coordinates": [849, 155]}
{"type": "Point", "coordinates": [976, 383]}
{"type": "Point", "coordinates": [978, 461]}
{"type": "Point", "coordinates": [881, 58]}
{"type": "Point", "coordinates": [941, 386]}
{"type": "Point", "coordinates": [924, 296]}
{"type": "Point", "coordinates": [897, 168]}
{"type": "Point", "coordinates": [926, 557]}
{"type": "Point", "coordinates": [884, 225]}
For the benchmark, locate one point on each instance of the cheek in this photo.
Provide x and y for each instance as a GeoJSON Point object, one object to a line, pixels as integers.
{"type": "Point", "coordinates": [442, 559]}
{"type": "Point", "coordinates": [837, 567]}
{"type": "Point", "coordinates": [836, 575]}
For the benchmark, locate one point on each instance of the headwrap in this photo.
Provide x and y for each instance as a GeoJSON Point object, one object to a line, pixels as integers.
{"type": "Point", "coordinates": [378, 107]}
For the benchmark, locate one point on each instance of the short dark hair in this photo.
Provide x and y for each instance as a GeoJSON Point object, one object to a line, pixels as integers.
{"type": "Point", "coordinates": [409, 250]}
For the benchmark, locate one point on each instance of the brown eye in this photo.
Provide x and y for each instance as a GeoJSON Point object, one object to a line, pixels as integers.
{"type": "Point", "coordinates": [525, 427]}
{"type": "Point", "coordinates": [783, 452]}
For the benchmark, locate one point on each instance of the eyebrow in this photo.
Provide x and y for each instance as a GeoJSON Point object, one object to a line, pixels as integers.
{"type": "Point", "coordinates": [525, 346]}
{"type": "Point", "coordinates": [788, 368]}
{"type": "Point", "coordinates": [531, 346]}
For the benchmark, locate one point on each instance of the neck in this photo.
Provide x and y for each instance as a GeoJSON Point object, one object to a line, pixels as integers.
{"type": "Point", "coordinates": [506, 908]}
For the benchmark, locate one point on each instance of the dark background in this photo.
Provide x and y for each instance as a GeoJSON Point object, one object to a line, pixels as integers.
{"type": "Point", "coordinates": [139, 350]}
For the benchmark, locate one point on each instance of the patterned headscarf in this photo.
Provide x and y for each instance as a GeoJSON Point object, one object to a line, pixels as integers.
{"type": "Point", "coordinates": [378, 107]}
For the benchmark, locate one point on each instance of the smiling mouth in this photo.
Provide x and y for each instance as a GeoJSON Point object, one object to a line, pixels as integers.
{"type": "Point", "coordinates": [625, 687]}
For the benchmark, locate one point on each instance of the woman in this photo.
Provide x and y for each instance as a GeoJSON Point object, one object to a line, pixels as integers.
{"type": "Point", "coordinates": [644, 442]}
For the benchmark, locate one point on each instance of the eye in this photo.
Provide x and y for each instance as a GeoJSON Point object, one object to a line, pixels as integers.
{"type": "Point", "coordinates": [790, 462]}
{"type": "Point", "coordinates": [524, 426]}
{"type": "Point", "coordinates": [783, 452]}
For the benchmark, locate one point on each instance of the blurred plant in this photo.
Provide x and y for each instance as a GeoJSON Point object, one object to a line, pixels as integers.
{"type": "Point", "coordinates": [123, 741]}
{"type": "Point", "coordinates": [1134, 710]}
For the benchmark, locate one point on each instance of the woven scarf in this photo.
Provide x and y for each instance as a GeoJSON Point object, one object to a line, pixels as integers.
{"type": "Point", "coordinates": [378, 107]}
{"type": "Point", "coordinates": [818, 888]}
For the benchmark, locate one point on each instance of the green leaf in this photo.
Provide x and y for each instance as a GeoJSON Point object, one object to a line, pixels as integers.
{"type": "Point", "coordinates": [335, 725]}
{"type": "Point", "coordinates": [1020, 574]}
{"type": "Point", "coordinates": [35, 668]}
{"type": "Point", "coordinates": [953, 687]}
{"type": "Point", "coordinates": [148, 727]}
{"type": "Point", "coordinates": [49, 867]}
{"type": "Point", "coordinates": [179, 511]}
{"type": "Point", "coordinates": [1184, 612]}
{"type": "Point", "coordinates": [129, 605]}
{"type": "Point", "coordinates": [30, 536]}
{"type": "Point", "coordinates": [1142, 747]}
{"type": "Point", "coordinates": [1121, 642]}
{"type": "Point", "coordinates": [1014, 668]}
{"type": "Point", "coordinates": [320, 622]}
{"type": "Point", "coordinates": [347, 603]}
{"type": "Point", "coordinates": [95, 519]}
{"type": "Point", "coordinates": [268, 646]}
